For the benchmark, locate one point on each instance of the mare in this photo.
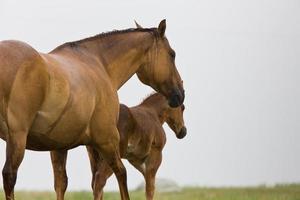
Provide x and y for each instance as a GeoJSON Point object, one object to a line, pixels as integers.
{"type": "Point", "coordinates": [68, 97]}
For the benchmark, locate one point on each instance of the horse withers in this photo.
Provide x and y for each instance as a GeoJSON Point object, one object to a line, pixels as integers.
{"type": "Point", "coordinates": [59, 100]}
{"type": "Point", "coordinates": [142, 141]}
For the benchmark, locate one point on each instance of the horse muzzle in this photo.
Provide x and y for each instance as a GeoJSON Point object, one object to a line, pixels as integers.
{"type": "Point", "coordinates": [176, 98]}
{"type": "Point", "coordinates": [182, 133]}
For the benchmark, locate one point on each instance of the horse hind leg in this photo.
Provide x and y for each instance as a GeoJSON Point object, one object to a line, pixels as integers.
{"type": "Point", "coordinates": [21, 112]}
{"type": "Point", "coordinates": [19, 121]}
{"type": "Point", "coordinates": [15, 149]}
{"type": "Point", "coordinates": [26, 97]}
{"type": "Point", "coordinates": [58, 159]}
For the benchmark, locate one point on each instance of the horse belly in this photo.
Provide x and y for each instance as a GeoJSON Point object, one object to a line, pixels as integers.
{"type": "Point", "coordinates": [66, 133]}
{"type": "Point", "coordinates": [67, 129]}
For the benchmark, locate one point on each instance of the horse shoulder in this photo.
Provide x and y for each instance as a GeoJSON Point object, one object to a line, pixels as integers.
{"type": "Point", "coordinates": [160, 139]}
{"type": "Point", "coordinates": [56, 97]}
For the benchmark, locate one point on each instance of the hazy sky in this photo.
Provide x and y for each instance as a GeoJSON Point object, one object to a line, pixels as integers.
{"type": "Point", "coordinates": [240, 62]}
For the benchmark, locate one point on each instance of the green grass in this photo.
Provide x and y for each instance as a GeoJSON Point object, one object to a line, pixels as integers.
{"type": "Point", "coordinates": [281, 192]}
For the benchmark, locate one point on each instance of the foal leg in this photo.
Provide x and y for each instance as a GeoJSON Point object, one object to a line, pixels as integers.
{"type": "Point", "coordinates": [152, 164]}
{"type": "Point", "coordinates": [100, 172]}
{"type": "Point", "coordinates": [148, 169]}
{"type": "Point", "coordinates": [15, 149]}
{"type": "Point", "coordinates": [58, 159]}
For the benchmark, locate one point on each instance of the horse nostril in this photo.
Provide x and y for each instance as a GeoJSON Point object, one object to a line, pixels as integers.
{"type": "Point", "coordinates": [182, 133]}
{"type": "Point", "coordinates": [176, 99]}
{"type": "Point", "coordinates": [182, 96]}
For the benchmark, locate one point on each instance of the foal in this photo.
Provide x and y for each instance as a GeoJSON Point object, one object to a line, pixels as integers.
{"type": "Point", "coordinates": [142, 139]}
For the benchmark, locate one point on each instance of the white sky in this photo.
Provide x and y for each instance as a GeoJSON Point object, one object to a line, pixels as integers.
{"type": "Point", "coordinates": [240, 62]}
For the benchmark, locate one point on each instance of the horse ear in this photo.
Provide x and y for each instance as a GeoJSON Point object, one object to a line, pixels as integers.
{"type": "Point", "coordinates": [137, 25]}
{"type": "Point", "coordinates": [162, 28]}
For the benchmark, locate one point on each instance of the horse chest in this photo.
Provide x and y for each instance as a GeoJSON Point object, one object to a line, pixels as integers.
{"type": "Point", "coordinates": [138, 149]}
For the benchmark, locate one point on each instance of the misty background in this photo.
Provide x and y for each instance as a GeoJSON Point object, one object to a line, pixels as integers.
{"type": "Point", "coordinates": [240, 62]}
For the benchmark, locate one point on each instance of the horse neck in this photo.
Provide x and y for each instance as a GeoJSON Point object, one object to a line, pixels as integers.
{"type": "Point", "coordinates": [121, 53]}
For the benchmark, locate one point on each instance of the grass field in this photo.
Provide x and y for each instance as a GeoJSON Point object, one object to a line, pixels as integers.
{"type": "Point", "coordinates": [283, 192]}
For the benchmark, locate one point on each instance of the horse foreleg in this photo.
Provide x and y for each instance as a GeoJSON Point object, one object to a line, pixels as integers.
{"type": "Point", "coordinates": [58, 159]}
{"type": "Point", "coordinates": [106, 139]}
{"type": "Point", "coordinates": [15, 149]}
{"type": "Point", "coordinates": [152, 164]}
{"type": "Point", "coordinates": [108, 147]}
{"type": "Point", "coordinates": [94, 161]}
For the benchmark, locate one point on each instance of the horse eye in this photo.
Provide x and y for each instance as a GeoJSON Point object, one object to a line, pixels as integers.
{"type": "Point", "coordinates": [173, 54]}
{"type": "Point", "coordinates": [182, 107]}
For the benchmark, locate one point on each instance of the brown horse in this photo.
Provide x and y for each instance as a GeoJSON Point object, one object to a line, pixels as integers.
{"type": "Point", "coordinates": [68, 97]}
{"type": "Point", "coordinates": [142, 141]}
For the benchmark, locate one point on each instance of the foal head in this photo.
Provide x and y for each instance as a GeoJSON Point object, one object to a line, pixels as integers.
{"type": "Point", "coordinates": [174, 118]}
{"type": "Point", "coordinates": [159, 70]}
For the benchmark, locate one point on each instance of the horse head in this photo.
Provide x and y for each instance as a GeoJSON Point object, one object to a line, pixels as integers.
{"type": "Point", "coordinates": [174, 119]}
{"type": "Point", "coordinates": [159, 71]}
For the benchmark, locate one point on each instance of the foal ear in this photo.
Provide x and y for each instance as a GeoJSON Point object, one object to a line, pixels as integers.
{"type": "Point", "coordinates": [162, 28]}
{"type": "Point", "coordinates": [137, 25]}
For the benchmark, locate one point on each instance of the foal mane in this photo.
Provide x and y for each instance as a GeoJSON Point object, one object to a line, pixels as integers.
{"type": "Point", "coordinates": [153, 98]}
{"type": "Point", "coordinates": [74, 44]}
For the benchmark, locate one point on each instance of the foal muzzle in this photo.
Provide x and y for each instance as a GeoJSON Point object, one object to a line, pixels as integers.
{"type": "Point", "coordinates": [182, 133]}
